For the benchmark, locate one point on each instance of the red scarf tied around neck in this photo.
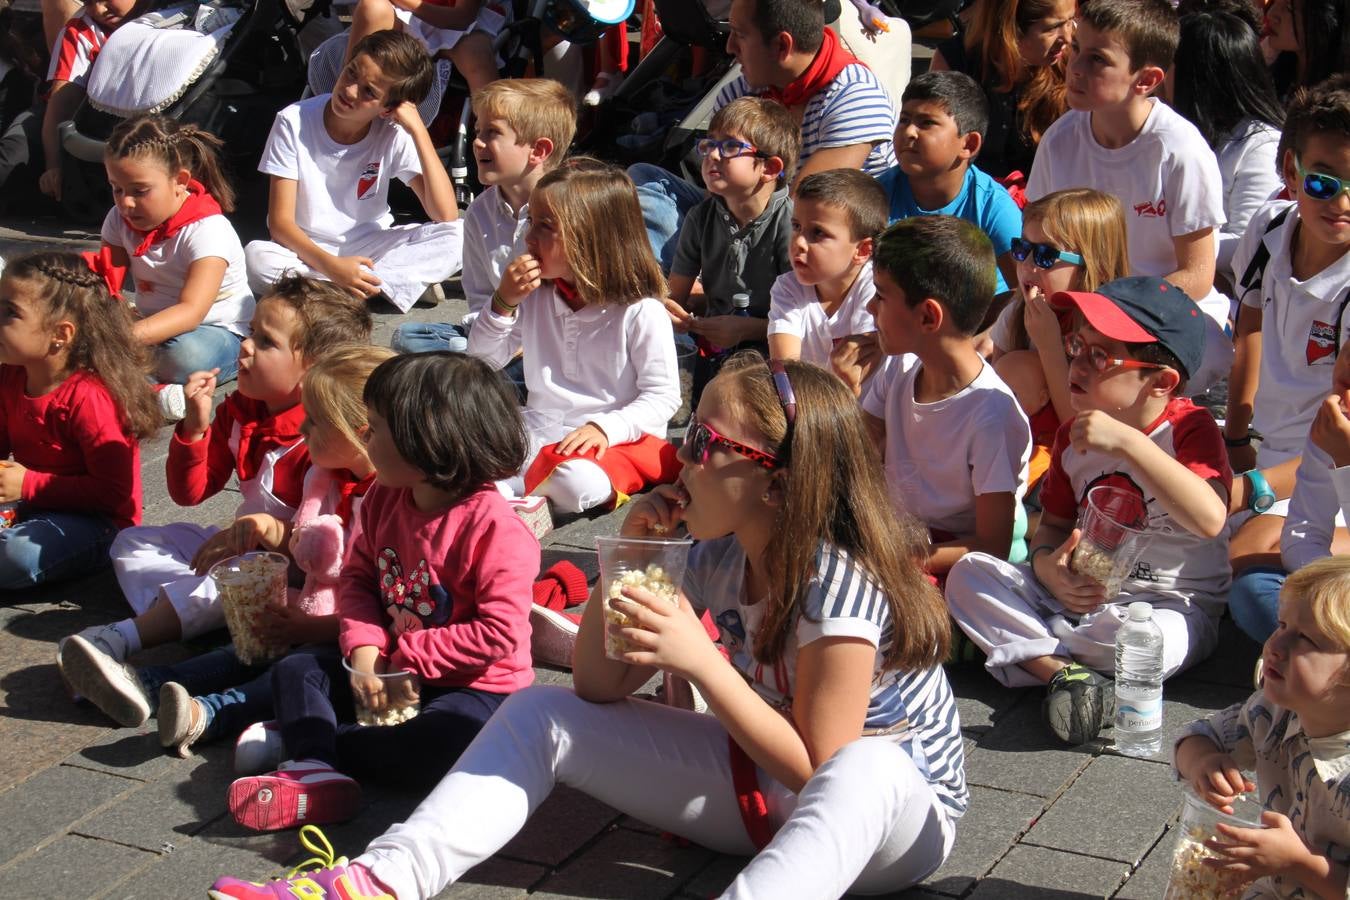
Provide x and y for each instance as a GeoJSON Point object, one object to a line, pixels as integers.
{"type": "Point", "coordinates": [349, 488]}
{"type": "Point", "coordinates": [198, 205]}
{"type": "Point", "coordinates": [831, 59]}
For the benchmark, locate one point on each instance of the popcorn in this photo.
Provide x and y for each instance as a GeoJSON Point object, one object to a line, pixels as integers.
{"type": "Point", "coordinates": [654, 579]}
{"type": "Point", "coordinates": [248, 585]}
{"type": "Point", "coordinates": [1098, 564]}
{"type": "Point", "coordinates": [392, 715]}
{"type": "Point", "coordinates": [1191, 878]}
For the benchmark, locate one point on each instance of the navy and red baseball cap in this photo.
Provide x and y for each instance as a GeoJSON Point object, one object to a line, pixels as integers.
{"type": "Point", "coordinates": [1143, 310]}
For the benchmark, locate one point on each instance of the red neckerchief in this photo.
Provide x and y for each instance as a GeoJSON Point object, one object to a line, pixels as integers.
{"type": "Point", "coordinates": [198, 205]}
{"type": "Point", "coordinates": [349, 488]}
{"type": "Point", "coordinates": [566, 291]}
{"type": "Point", "coordinates": [259, 436]}
{"type": "Point", "coordinates": [830, 60]}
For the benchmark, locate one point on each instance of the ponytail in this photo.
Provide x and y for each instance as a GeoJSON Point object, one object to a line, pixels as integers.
{"type": "Point", "coordinates": [176, 146]}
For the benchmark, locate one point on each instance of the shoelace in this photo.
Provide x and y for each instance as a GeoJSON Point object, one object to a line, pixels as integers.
{"type": "Point", "coordinates": [322, 849]}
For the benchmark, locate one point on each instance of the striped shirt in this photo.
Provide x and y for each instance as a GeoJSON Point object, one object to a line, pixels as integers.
{"type": "Point", "coordinates": [852, 109]}
{"type": "Point", "coordinates": [73, 56]}
{"type": "Point", "coordinates": [915, 708]}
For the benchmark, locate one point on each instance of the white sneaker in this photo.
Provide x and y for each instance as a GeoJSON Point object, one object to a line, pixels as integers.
{"type": "Point", "coordinates": [181, 719]}
{"type": "Point", "coordinates": [606, 83]}
{"type": "Point", "coordinates": [106, 681]}
{"type": "Point", "coordinates": [259, 749]}
{"type": "Point", "coordinates": [552, 636]}
{"type": "Point", "coordinates": [172, 401]}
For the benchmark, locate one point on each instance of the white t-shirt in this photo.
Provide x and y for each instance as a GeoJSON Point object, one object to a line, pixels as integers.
{"type": "Point", "coordinates": [160, 274]}
{"type": "Point", "coordinates": [1319, 505]}
{"type": "Point", "coordinates": [941, 456]}
{"type": "Point", "coordinates": [493, 236]}
{"type": "Point", "coordinates": [1299, 333]}
{"type": "Point", "coordinates": [1167, 179]}
{"type": "Point", "coordinates": [795, 309]}
{"type": "Point", "coordinates": [608, 364]}
{"type": "Point", "coordinates": [342, 190]}
{"type": "Point", "coordinates": [1250, 177]}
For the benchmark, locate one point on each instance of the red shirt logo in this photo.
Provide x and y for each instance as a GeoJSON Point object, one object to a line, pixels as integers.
{"type": "Point", "coordinates": [369, 178]}
{"type": "Point", "coordinates": [1151, 210]}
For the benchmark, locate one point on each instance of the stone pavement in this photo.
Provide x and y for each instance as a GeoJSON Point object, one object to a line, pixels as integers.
{"type": "Point", "coordinates": [89, 810]}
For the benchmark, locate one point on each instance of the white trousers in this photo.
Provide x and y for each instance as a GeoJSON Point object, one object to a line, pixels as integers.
{"type": "Point", "coordinates": [1012, 618]}
{"type": "Point", "coordinates": [407, 259]}
{"type": "Point", "coordinates": [867, 821]}
{"type": "Point", "coordinates": [151, 560]}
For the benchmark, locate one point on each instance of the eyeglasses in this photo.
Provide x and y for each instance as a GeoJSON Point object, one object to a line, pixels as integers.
{"type": "Point", "coordinates": [701, 439]}
{"type": "Point", "coordinates": [1321, 186]}
{"type": "Point", "coordinates": [1097, 357]}
{"type": "Point", "coordinates": [1043, 255]}
{"type": "Point", "coordinates": [730, 148]}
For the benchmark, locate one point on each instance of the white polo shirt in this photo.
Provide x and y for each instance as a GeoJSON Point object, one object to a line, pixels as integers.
{"type": "Point", "coordinates": [795, 309]}
{"type": "Point", "coordinates": [493, 236]}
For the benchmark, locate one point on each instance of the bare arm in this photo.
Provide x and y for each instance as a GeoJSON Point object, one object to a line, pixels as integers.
{"type": "Point", "coordinates": [1198, 505]}
{"type": "Point", "coordinates": [851, 157]}
{"type": "Point", "coordinates": [938, 63]}
{"type": "Point", "coordinates": [457, 17]}
{"type": "Point", "coordinates": [994, 515]}
{"type": "Point", "coordinates": [1243, 380]}
{"type": "Point", "coordinates": [1195, 263]}
{"type": "Point", "coordinates": [433, 187]}
{"type": "Point", "coordinates": [200, 289]}
{"type": "Point", "coordinates": [62, 103]}
{"type": "Point", "coordinates": [785, 346]}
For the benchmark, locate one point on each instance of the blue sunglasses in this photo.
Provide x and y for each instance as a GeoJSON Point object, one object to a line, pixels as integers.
{"type": "Point", "coordinates": [1043, 255]}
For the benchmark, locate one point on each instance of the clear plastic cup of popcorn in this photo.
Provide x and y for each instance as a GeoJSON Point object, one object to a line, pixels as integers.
{"type": "Point", "coordinates": [1113, 523]}
{"type": "Point", "coordinates": [1191, 878]}
{"type": "Point", "coordinates": [403, 693]}
{"type": "Point", "coordinates": [248, 584]}
{"type": "Point", "coordinates": [656, 565]}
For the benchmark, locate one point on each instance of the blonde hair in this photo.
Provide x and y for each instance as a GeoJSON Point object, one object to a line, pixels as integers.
{"type": "Point", "coordinates": [1324, 587]}
{"type": "Point", "coordinates": [534, 108]}
{"type": "Point", "coordinates": [600, 227]}
{"type": "Point", "coordinates": [332, 388]}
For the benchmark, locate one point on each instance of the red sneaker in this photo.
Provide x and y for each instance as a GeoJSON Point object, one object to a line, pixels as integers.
{"type": "Point", "coordinates": [299, 793]}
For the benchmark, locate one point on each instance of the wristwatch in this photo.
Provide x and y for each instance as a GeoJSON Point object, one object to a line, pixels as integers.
{"type": "Point", "coordinates": [1262, 497]}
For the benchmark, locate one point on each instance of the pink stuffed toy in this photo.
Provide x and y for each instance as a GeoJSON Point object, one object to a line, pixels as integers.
{"type": "Point", "coordinates": [318, 547]}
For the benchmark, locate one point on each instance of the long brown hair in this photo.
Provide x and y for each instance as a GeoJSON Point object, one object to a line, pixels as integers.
{"type": "Point", "coordinates": [992, 41]}
{"type": "Point", "coordinates": [600, 227]}
{"type": "Point", "coordinates": [103, 343]}
{"type": "Point", "coordinates": [835, 492]}
{"type": "Point", "coordinates": [175, 146]}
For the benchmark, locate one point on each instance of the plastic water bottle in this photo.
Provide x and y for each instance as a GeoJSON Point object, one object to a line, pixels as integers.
{"type": "Point", "coordinates": [740, 307]}
{"type": "Point", "coordinates": [1139, 676]}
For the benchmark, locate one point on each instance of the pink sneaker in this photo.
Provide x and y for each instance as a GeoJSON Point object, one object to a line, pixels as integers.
{"type": "Point", "coordinates": [331, 877]}
{"type": "Point", "coordinates": [553, 634]}
{"type": "Point", "coordinates": [301, 792]}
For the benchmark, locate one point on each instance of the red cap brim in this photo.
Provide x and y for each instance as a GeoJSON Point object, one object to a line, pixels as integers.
{"type": "Point", "coordinates": [1102, 314]}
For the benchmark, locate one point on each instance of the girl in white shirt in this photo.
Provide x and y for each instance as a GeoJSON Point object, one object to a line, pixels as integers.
{"type": "Point", "coordinates": [167, 227]}
{"type": "Point", "coordinates": [599, 352]}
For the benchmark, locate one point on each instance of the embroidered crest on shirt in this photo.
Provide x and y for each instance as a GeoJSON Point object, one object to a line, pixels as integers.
{"type": "Point", "coordinates": [1148, 210]}
{"type": "Point", "coordinates": [369, 178]}
{"type": "Point", "coordinates": [411, 600]}
{"type": "Point", "coordinates": [1321, 343]}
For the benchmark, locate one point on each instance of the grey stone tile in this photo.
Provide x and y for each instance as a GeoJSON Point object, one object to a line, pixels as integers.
{"type": "Point", "coordinates": [1035, 873]}
{"type": "Point", "coordinates": [190, 869]}
{"type": "Point", "coordinates": [984, 835]}
{"type": "Point", "coordinates": [70, 868]}
{"type": "Point", "coordinates": [980, 700]}
{"type": "Point", "coordinates": [720, 871]}
{"type": "Point", "coordinates": [1116, 809]}
{"type": "Point", "coordinates": [129, 752]}
{"type": "Point", "coordinates": [165, 811]}
{"type": "Point", "coordinates": [46, 805]}
{"type": "Point", "coordinates": [624, 864]}
{"type": "Point", "coordinates": [585, 560]}
{"type": "Point", "coordinates": [496, 879]}
{"type": "Point", "coordinates": [1232, 661]}
{"type": "Point", "coordinates": [562, 825]}
{"type": "Point", "coordinates": [581, 532]}
{"type": "Point", "coordinates": [1149, 880]}
{"type": "Point", "coordinates": [1185, 700]}
{"type": "Point", "coordinates": [1021, 754]}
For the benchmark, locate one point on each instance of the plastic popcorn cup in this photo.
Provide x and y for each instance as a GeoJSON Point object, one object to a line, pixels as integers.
{"type": "Point", "coordinates": [656, 565]}
{"type": "Point", "coordinates": [398, 686]}
{"type": "Point", "coordinates": [1191, 879]}
{"type": "Point", "coordinates": [247, 585]}
{"type": "Point", "coordinates": [1113, 523]}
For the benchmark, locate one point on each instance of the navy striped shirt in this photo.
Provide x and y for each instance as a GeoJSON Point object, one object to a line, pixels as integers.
{"type": "Point", "coordinates": [916, 708]}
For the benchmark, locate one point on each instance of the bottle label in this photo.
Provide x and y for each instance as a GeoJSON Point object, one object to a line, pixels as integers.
{"type": "Point", "coordinates": [1138, 709]}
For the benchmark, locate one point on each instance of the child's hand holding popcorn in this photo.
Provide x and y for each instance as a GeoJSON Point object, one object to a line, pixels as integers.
{"type": "Point", "coordinates": [259, 531]}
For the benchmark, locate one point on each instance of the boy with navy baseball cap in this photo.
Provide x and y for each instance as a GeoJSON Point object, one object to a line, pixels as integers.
{"type": "Point", "coordinates": [1132, 346]}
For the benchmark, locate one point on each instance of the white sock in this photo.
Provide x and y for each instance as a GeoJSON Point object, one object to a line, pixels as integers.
{"type": "Point", "coordinates": [127, 629]}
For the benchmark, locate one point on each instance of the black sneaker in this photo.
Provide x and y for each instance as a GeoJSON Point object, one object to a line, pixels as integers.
{"type": "Point", "coordinates": [1078, 704]}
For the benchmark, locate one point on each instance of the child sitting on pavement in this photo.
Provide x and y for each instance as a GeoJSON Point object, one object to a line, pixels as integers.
{"type": "Point", "coordinates": [1044, 623]}
{"type": "Point", "coordinates": [736, 240]}
{"type": "Point", "coordinates": [943, 119]}
{"type": "Point", "coordinates": [956, 442]}
{"type": "Point", "coordinates": [1293, 733]}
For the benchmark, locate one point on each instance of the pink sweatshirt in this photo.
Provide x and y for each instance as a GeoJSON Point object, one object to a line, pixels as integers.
{"type": "Point", "coordinates": [445, 594]}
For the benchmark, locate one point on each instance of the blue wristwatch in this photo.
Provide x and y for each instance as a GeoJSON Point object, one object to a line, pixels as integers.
{"type": "Point", "coordinates": [1262, 497]}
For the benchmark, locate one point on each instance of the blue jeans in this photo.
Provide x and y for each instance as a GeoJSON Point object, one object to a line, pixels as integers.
{"type": "Point", "coordinates": [665, 199]}
{"type": "Point", "coordinates": [46, 545]}
{"type": "Point", "coordinates": [423, 337]}
{"type": "Point", "coordinates": [202, 349]}
{"type": "Point", "coordinates": [1254, 600]}
{"type": "Point", "coordinates": [235, 695]}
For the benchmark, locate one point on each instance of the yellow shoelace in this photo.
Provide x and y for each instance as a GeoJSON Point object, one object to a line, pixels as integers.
{"type": "Point", "coordinates": [315, 841]}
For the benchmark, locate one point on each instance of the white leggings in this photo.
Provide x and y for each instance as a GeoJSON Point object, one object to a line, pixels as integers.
{"type": "Point", "coordinates": [574, 486]}
{"type": "Point", "coordinates": [867, 821]}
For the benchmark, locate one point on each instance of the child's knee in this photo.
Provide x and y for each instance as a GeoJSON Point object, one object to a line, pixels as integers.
{"type": "Point", "coordinates": [576, 486]}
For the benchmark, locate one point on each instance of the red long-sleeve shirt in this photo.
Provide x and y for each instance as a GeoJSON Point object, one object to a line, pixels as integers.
{"type": "Point", "coordinates": [71, 441]}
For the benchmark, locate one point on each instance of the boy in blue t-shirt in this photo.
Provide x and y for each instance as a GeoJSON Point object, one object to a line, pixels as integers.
{"type": "Point", "coordinates": [943, 117]}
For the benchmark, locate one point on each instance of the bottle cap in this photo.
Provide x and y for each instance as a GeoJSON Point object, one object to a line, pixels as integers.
{"type": "Point", "coordinates": [740, 301]}
{"type": "Point", "coordinates": [1140, 611]}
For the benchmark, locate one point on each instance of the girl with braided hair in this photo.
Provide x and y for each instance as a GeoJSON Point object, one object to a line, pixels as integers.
{"type": "Point", "coordinates": [74, 402]}
{"type": "Point", "coordinates": [167, 225]}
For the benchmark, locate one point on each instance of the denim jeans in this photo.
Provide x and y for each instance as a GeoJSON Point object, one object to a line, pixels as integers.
{"type": "Point", "coordinates": [1254, 600]}
{"type": "Point", "coordinates": [423, 337]}
{"type": "Point", "coordinates": [47, 545]}
{"type": "Point", "coordinates": [666, 199]}
{"type": "Point", "coordinates": [234, 694]}
{"type": "Point", "coordinates": [202, 349]}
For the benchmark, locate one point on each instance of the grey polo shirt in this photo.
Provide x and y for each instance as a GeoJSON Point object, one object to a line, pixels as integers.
{"type": "Point", "coordinates": [731, 258]}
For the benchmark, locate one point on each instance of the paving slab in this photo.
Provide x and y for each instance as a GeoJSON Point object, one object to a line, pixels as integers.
{"type": "Point", "coordinates": [980, 700]}
{"type": "Point", "coordinates": [496, 879]}
{"type": "Point", "coordinates": [1149, 880]}
{"type": "Point", "coordinates": [1035, 873]}
{"type": "Point", "coordinates": [70, 868]}
{"type": "Point", "coordinates": [44, 806]}
{"type": "Point", "coordinates": [624, 864]}
{"type": "Point", "coordinates": [562, 825]}
{"type": "Point", "coordinates": [714, 877]}
{"type": "Point", "coordinates": [1022, 754]}
{"type": "Point", "coordinates": [984, 835]}
{"type": "Point", "coordinates": [129, 752]}
{"type": "Point", "coordinates": [188, 870]}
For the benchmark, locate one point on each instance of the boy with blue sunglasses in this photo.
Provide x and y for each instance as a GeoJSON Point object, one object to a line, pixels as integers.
{"type": "Point", "coordinates": [1292, 273]}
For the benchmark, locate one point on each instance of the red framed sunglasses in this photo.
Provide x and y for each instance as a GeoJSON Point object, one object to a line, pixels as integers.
{"type": "Point", "coordinates": [701, 439]}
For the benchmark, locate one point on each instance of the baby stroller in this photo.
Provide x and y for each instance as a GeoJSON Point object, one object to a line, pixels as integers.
{"type": "Point", "coordinates": [224, 65]}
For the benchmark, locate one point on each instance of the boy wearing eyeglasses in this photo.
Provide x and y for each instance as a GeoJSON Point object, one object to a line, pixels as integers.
{"type": "Point", "coordinates": [736, 240]}
{"type": "Point", "coordinates": [1135, 343]}
{"type": "Point", "coordinates": [943, 118]}
{"type": "Point", "coordinates": [1292, 274]}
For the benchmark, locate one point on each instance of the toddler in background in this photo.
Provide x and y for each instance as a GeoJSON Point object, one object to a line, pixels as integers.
{"type": "Point", "coordinates": [584, 303]}
{"type": "Point", "coordinates": [168, 228]}
{"type": "Point", "coordinates": [438, 583]}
